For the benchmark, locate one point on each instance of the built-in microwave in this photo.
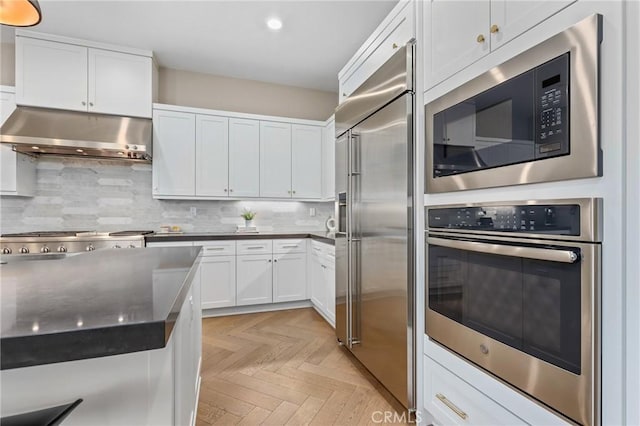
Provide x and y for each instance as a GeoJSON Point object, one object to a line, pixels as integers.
{"type": "Point", "coordinates": [532, 119]}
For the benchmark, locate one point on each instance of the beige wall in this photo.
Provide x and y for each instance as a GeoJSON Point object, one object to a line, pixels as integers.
{"type": "Point", "coordinates": [200, 90]}
{"type": "Point", "coordinates": [7, 64]}
{"type": "Point", "coordinates": [193, 89]}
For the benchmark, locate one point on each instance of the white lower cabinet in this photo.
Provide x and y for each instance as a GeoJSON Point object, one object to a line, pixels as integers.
{"type": "Point", "coordinates": [322, 277]}
{"type": "Point", "coordinates": [218, 276]}
{"type": "Point", "coordinates": [187, 356]}
{"type": "Point", "coordinates": [452, 401]}
{"type": "Point", "coordinates": [254, 279]}
{"type": "Point", "coordinates": [289, 277]}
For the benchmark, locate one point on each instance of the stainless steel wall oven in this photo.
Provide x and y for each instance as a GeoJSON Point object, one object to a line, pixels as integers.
{"type": "Point", "coordinates": [532, 119]}
{"type": "Point", "coordinates": [515, 288]}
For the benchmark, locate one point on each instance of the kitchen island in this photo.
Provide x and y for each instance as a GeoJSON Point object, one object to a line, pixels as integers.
{"type": "Point", "coordinates": [119, 328]}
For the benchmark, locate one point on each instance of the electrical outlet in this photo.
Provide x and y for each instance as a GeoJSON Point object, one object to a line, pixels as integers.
{"type": "Point", "coordinates": [312, 211]}
{"type": "Point", "coordinates": [193, 211]}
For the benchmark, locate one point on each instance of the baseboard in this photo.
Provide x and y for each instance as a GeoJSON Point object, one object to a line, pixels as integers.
{"type": "Point", "coordinates": [251, 309]}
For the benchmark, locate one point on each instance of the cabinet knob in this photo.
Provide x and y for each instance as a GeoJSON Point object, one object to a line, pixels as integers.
{"type": "Point", "coordinates": [84, 103]}
{"type": "Point", "coordinates": [395, 46]}
{"type": "Point", "coordinates": [294, 192]}
{"type": "Point", "coordinates": [275, 260]}
{"type": "Point", "coordinates": [90, 103]}
{"type": "Point", "coordinates": [344, 94]}
{"type": "Point", "coordinates": [494, 29]}
{"type": "Point", "coordinates": [231, 190]}
{"type": "Point", "coordinates": [480, 38]}
{"type": "Point", "coordinates": [225, 190]}
{"type": "Point", "coordinates": [269, 260]}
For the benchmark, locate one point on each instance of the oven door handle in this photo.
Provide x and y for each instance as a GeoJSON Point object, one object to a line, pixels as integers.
{"type": "Point", "coordinates": [552, 255]}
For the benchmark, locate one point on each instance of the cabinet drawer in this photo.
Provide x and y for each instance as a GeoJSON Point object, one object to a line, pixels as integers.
{"type": "Point", "coordinates": [297, 245]}
{"type": "Point", "coordinates": [217, 248]}
{"type": "Point", "coordinates": [171, 244]}
{"type": "Point", "coordinates": [255, 247]}
{"type": "Point", "coordinates": [322, 248]}
{"type": "Point", "coordinates": [452, 401]}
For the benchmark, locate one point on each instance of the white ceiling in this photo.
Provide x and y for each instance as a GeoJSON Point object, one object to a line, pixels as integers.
{"type": "Point", "coordinates": [227, 37]}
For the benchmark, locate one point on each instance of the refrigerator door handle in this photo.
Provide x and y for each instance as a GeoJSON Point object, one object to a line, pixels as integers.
{"type": "Point", "coordinates": [355, 273]}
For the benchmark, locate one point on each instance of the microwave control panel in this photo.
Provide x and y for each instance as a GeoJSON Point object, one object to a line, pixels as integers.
{"type": "Point", "coordinates": [552, 108]}
{"type": "Point", "coordinates": [542, 219]}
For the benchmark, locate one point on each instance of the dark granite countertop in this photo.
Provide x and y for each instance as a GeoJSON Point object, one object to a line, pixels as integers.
{"type": "Point", "coordinates": [93, 304]}
{"type": "Point", "coordinates": [325, 237]}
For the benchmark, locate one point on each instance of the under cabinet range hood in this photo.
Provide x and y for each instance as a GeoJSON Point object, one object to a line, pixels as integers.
{"type": "Point", "coordinates": [43, 131]}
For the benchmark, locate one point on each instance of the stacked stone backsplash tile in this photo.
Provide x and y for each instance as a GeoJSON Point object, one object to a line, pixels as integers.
{"type": "Point", "coordinates": [83, 194]}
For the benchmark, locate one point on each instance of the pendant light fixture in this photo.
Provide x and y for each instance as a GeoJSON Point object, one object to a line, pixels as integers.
{"type": "Point", "coordinates": [20, 13]}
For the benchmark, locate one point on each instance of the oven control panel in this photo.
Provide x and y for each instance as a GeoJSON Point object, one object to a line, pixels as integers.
{"type": "Point", "coordinates": [541, 219]}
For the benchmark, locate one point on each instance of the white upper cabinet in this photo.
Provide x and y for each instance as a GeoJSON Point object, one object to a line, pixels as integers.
{"type": "Point", "coordinates": [511, 18]}
{"type": "Point", "coordinates": [306, 161]}
{"type": "Point", "coordinates": [51, 74]}
{"type": "Point", "coordinates": [212, 156]}
{"type": "Point", "coordinates": [173, 153]}
{"type": "Point", "coordinates": [208, 154]}
{"type": "Point", "coordinates": [119, 83]}
{"type": "Point", "coordinates": [329, 160]}
{"type": "Point", "coordinates": [275, 159]}
{"type": "Point", "coordinates": [17, 171]}
{"type": "Point", "coordinates": [244, 158]}
{"type": "Point", "coordinates": [57, 72]}
{"type": "Point", "coordinates": [458, 33]}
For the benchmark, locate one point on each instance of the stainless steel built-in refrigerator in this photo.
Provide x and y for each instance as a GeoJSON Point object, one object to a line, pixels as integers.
{"type": "Point", "coordinates": [374, 208]}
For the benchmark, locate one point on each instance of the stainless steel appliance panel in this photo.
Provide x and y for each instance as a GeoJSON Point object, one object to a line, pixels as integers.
{"type": "Point", "coordinates": [392, 79]}
{"type": "Point", "coordinates": [341, 242]}
{"type": "Point", "coordinates": [583, 156]}
{"type": "Point", "coordinates": [520, 303]}
{"type": "Point", "coordinates": [380, 245]}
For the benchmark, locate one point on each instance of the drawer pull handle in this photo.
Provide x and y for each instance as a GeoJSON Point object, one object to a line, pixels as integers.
{"type": "Point", "coordinates": [452, 406]}
{"type": "Point", "coordinates": [214, 248]}
{"type": "Point", "coordinates": [317, 249]}
{"type": "Point", "coordinates": [290, 246]}
{"type": "Point", "coordinates": [255, 247]}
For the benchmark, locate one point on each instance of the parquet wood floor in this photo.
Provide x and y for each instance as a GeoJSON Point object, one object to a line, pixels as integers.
{"type": "Point", "coordinates": [284, 368]}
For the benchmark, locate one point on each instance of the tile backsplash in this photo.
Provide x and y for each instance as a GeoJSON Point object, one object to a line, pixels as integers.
{"type": "Point", "coordinates": [103, 195]}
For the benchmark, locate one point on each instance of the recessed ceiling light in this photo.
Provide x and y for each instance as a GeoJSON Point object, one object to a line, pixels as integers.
{"type": "Point", "coordinates": [79, 150]}
{"type": "Point", "coordinates": [35, 147]}
{"type": "Point", "coordinates": [274, 24]}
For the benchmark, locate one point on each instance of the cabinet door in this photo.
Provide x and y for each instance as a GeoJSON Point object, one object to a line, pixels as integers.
{"type": "Point", "coordinates": [512, 18]}
{"type": "Point", "coordinates": [212, 156]}
{"type": "Point", "coordinates": [306, 161]}
{"type": "Point", "coordinates": [173, 153]}
{"type": "Point", "coordinates": [452, 29]}
{"type": "Point", "coordinates": [218, 281]}
{"type": "Point", "coordinates": [275, 159]}
{"type": "Point", "coordinates": [254, 279]}
{"type": "Point", "coordinates": [329, 161]}
{"type": "Point", "coordinates": [244, 158]}
{"type": "Point", "coordinates": [330, 287]}
{"type": "Point", "coordinates": [119, 83]}
{"type": "Point", "coordinates": [8, 157]}
{"type": "Point", "coordinates": [289, 277]}
{"type": "Point", "coordinates": [316, 276]}
{"type": "Point", "coordinates": [183, 363]}
{"type": "Point", "coordinates": [50, 74]}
